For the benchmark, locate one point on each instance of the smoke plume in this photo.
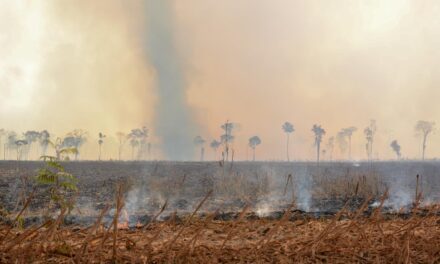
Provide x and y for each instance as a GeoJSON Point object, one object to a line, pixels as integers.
{"type": "Point", "coordinates": [81, 64]}
{"type": "Point", "coordinates": [172, 117]}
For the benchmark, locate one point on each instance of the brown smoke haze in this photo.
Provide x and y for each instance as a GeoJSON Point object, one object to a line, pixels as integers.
{"type": "Point", "coordinates": [83, 64]}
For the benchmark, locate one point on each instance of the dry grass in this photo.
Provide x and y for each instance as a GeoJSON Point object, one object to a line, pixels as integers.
{"type": "Point", "coordinates": [349, 237]}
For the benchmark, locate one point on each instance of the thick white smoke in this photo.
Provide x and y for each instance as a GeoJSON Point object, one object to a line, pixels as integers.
{"type": "Point", "coordinates": [172, 116]}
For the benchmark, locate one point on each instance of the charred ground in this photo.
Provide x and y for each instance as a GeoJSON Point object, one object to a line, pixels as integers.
{"type": "Point", "coordinates": [215, 213]}
{"type": "Point", "coordinates": [267, 187]}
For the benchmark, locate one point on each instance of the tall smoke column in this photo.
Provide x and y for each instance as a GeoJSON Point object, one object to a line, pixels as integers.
{"type": "Point", "coordinates": [172, 116]}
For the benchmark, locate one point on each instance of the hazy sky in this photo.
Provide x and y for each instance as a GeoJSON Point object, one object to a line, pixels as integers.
{"type": "Point", "coordinates": [82, 64]}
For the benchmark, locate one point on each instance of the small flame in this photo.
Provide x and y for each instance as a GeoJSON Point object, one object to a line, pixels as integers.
{"type": "Point", "coordinates": [123, 220]}
{"type": "Point", "coordinates": [123, 226]}
{"type": "Point", "coordinates": [263, 210]}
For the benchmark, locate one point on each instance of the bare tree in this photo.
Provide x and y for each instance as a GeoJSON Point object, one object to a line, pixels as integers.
{"type": "Point", "coordinates": [138, 138]}
{"type": "Point", "coordinates": [134, 142]}
{"type": "Point", "coordinates": [319, 133]}
{"type": "Point", "coordinates": [30, 137]}
{"type": "Point", "coordinates": [396, 148]}
{"type": "Point", "coordinates": [101, 137]}
{"type": "Point", "coordinates": [424, 128]}
{"type": "Point", "coordinates": [143, 143]}
{"type": "Point", "coordinates": [288, 129]}
{"type": "Point", "coordinates": [61, 148]}
{"type": "Point", "coordinates": [342, 142]}
{"type": "Point", "coordinates": [2, 134]}
{"type": "Point", "coordinates": [122, 139]}
{"type": "Point", "coordinates": [200, 142]}
{"type": "Point", "coordinates": [349, 132]}
{"type": "Point", "coordinates": [44, 140]}
{"type": "Point", "coordinates": [20, 145]}
{"type": "Point", "coordinates": [10, 143]}
{"type": "Point", "coordinates": [330, 147]}
{"type": "Point", "coordinates": [323, 153]}
{"type": "Point", "coordinates": [227, 138]}
{"type": "Point", "coordinates": [215, 145]}
{"type": "Point", "coordinates": [369, 133]}
{"type": "Point", "coordinates": [344, 135]}
{"type": "Point", "coordinates": [75, 139]}
{"type": "Point", "coordinates": [253, 143]}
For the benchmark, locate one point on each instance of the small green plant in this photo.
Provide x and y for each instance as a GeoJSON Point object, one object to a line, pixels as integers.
{"type": "Point", "coordinates": [61, 149]}
{"type": "Point", "coordinates": [60, 183]}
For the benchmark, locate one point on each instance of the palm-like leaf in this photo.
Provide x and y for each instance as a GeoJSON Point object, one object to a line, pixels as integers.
{"type": "Point", "coordinates": [59, 181]}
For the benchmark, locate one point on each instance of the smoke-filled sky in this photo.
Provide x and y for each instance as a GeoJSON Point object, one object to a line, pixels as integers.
{"type": "Point", "coordinates": [87, 64]}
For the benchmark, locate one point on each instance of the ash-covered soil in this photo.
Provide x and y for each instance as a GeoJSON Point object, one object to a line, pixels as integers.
{"type": "Point", "coordinates": [267, 188]}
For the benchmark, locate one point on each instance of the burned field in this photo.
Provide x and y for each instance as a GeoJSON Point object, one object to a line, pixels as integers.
{"type": "Point", "coordinates": [241, 212]}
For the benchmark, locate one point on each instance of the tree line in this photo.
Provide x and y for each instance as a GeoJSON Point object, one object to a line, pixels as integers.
{"type": "Point", "coordinates": [37, 143]}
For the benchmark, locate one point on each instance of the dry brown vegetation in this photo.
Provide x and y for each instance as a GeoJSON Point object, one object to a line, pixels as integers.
{"type": "Point", "coordinates": [357, 233]}
{"type": "Point", "coordinates": [348, 237]}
